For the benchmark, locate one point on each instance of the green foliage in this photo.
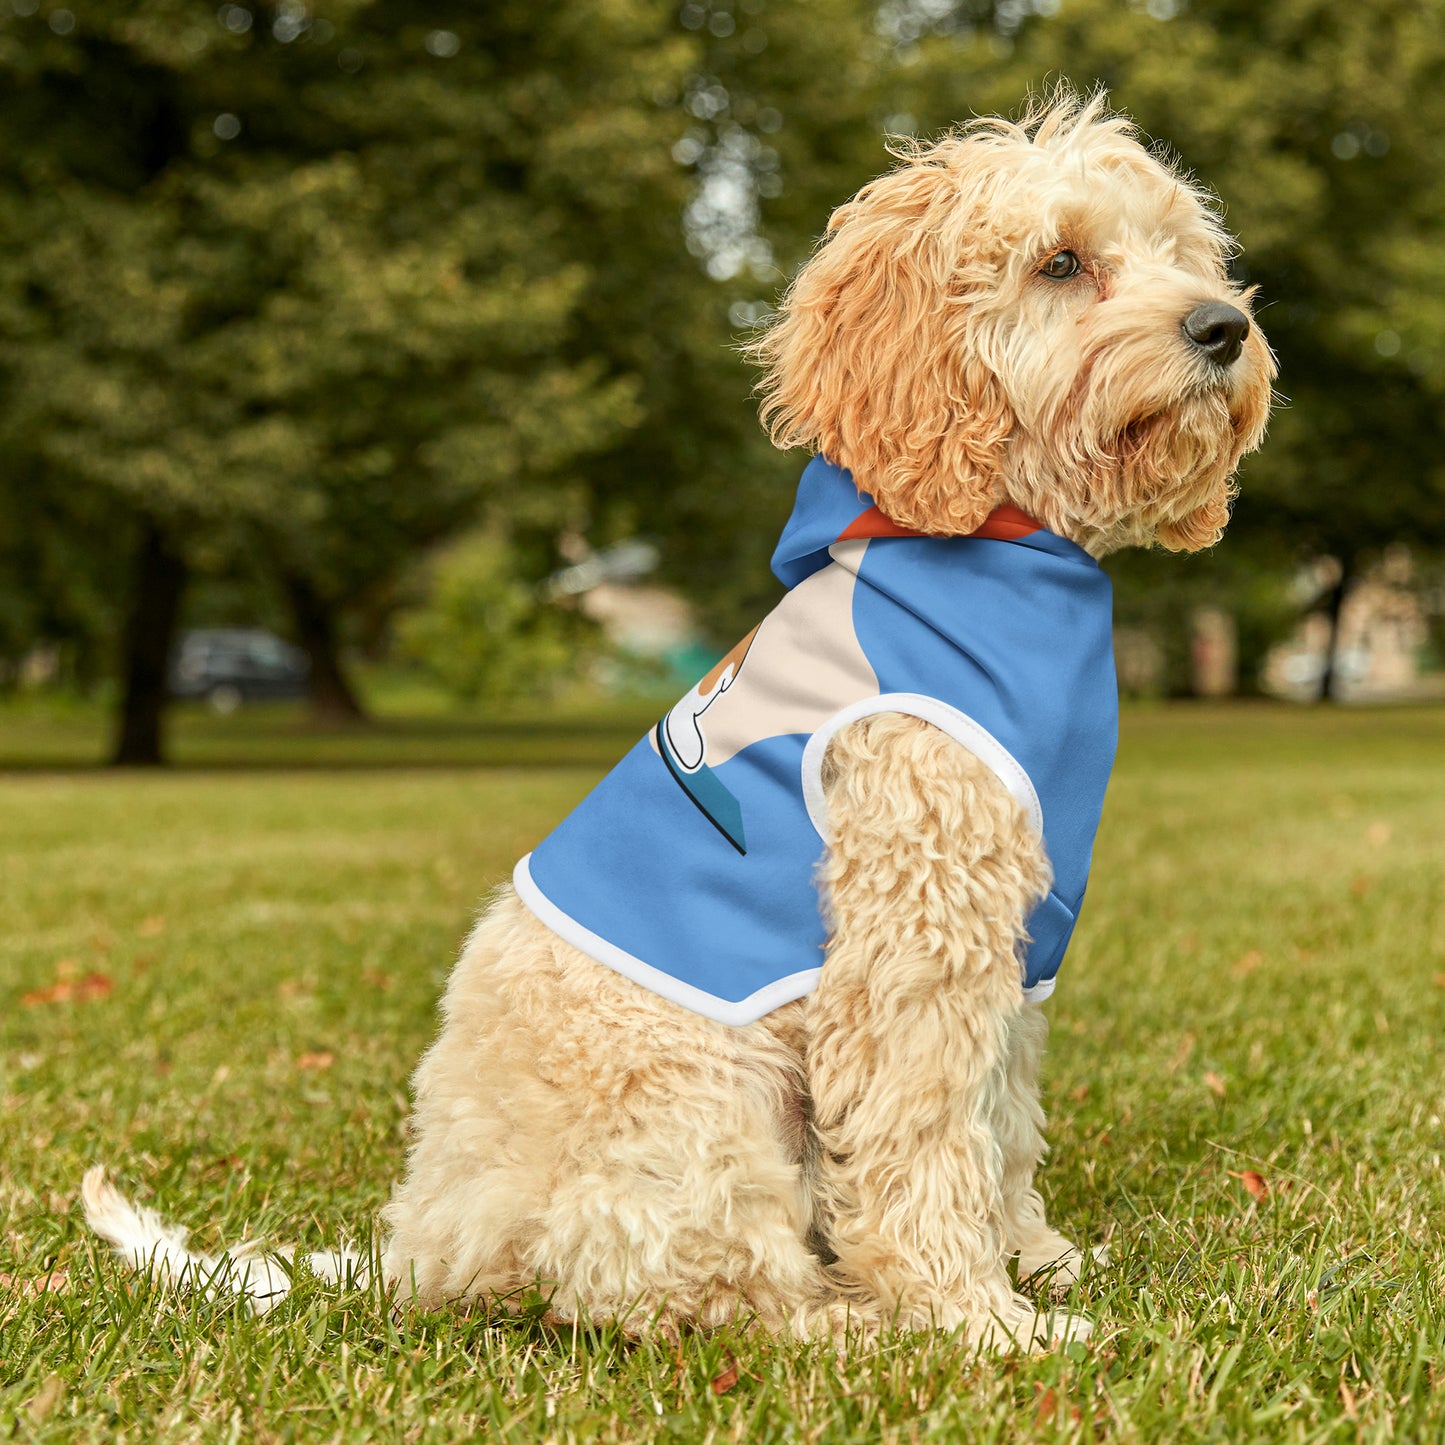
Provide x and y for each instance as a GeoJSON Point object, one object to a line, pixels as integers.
{"type": "Point", "coordinates": [314, 290]}
{"type": "Point", "coordinates": [482, 631]}
{"type": "Point", "coordinates": [323, 285]}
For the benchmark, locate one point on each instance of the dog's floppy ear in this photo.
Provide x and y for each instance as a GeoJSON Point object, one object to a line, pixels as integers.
{"type": "Point", "coordinates": [871, 361]}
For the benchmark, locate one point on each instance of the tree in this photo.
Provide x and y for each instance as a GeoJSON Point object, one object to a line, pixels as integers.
{"type": "Point", "coordinates": [308, 282]}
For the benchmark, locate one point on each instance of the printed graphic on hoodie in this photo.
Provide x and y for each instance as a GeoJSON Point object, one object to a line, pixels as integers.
{"type": "Point", "coordinates": [683, 744]}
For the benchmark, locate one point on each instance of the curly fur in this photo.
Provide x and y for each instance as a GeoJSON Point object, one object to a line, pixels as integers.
{"type": "Point", "coordinates": [865, 1156]}
{"type": "Point", "coordinates": [921, 348]}
{"type": "Point", "coordinates": [643, 1163]}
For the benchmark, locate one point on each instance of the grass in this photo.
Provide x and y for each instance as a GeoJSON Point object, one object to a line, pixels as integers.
{"type": "Point", "coordinates": [230, 972]}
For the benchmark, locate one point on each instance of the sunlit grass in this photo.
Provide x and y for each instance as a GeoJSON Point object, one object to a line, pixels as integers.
{"type": "Point", "coordinates": [1258, 985]}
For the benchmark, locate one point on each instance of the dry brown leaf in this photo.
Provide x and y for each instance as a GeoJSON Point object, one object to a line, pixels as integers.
{"type": "Point", "coordinates": [1247, 964]}
{"type": "Point", "coordinates": [1046, 1407]}
{"type": "Point", "coordinates": [81, 990]}
{"type": "Point", "coordinates": [55, 993]}
{"type": "Point", "coordinates": [1214, 1083]}
{"type": "Point", "coordinates": [722, 1383]}
{"type": "Point", "coordinates": [1254, 1182]}
{"type": "Point", "coordinates": [321, 1059]}
{"type": "Point", "coordinates": [56, 1282]}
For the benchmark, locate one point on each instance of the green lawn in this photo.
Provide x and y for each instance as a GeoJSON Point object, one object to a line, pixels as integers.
{"type": "Point", "coordinates": [1258, 984]}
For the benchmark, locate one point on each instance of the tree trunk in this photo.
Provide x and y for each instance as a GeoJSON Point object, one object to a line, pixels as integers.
{"type": "Point", "coordinates": [1329, 676]}
{"type": "Point", "coordinates": [333, 699]}
{"type": "Point", "coordinates": [150, 629]}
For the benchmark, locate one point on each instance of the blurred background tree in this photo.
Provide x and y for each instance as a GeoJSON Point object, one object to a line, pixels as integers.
{"type": "Point", "coordinates": [313, 289]}
{"type": "Point", "coordinates": [292, 293]}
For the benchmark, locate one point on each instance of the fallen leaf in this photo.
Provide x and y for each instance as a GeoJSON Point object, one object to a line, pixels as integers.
{"type": "Point", "coordinates": [56, 1282]}
{"type": "Point", "coordinates": [1214, 1083]}
{"type": "Point", "coordinates": [321, 1059]}
{"type": "Point", "coordinates": [82, 990]}
{"type": "Point", "coordinates": [724, 1382]}
{"type": "Point", "coordinates": [151, 927]}
{"type": "Point", "coordinates": [56, 993]}
{"type": "Point", "coordinates": [1247, 964]}
{"type": "Point", "coordinates": [1046, 1408]}
{"type": "Point", "coordinates": [1254, 1182]}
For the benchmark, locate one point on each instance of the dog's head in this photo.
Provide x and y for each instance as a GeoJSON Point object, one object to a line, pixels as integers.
{"type": "Point", "coordinates": [1036, 313]}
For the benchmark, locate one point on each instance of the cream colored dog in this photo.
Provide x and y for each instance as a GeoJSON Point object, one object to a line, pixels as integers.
{"type": "Point", "coordinates": [1033, 314]}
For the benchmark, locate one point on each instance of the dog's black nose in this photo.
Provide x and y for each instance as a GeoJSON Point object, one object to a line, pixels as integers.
{"type": "Point", "coordinates": [1217, 330]}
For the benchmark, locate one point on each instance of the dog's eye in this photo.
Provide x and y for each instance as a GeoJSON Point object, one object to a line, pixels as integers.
{"type": "Point", "coordinates": [1061, 266]}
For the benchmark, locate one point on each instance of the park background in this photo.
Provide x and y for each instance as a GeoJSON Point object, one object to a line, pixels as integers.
{"type": "Point", "coordinates": [408, 333]}
{"type": "Point", "coordinates": [413, 339]}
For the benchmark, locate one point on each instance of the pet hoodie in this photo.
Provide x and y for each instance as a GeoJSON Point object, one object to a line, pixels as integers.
{"type": "Point", "coordinates": [690, 868]}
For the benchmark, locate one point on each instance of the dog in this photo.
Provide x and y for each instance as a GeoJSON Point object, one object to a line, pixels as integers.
{"type": "Point", "coordinates": [755, 1035]}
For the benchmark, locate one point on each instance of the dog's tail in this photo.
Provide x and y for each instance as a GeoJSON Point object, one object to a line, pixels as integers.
{"type": "Point", "coordinates": [147, 1243]}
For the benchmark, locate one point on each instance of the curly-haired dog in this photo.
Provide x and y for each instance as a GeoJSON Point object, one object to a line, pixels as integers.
{"type": "Point", "coordinates": [666, 1087]}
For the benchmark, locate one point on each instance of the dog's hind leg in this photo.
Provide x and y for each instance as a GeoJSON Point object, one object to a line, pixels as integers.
{"type": "Point", "coordinates": [931, 871]}
{"type": "Point", "coordinates": [577, 1135]}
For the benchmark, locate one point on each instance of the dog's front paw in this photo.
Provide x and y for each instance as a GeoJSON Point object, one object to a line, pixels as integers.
{"type": "Point", "coordinates": [1023, 1326]}
{"type": "Point", "coordinates": [1056, 1266]}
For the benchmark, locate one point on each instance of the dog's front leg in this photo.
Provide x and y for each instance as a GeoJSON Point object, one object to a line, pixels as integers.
{"type": "Point", "coordinates": [1043, 1253]}
{"type": "Point", "coordinates": [930, 873]}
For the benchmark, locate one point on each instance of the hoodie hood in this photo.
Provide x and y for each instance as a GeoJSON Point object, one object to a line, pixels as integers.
{"type": "Point", "coordinates": [831, 507]}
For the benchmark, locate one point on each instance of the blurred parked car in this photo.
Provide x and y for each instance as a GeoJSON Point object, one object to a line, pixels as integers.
{"type": "Point", "coordinates": [230, 665]}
